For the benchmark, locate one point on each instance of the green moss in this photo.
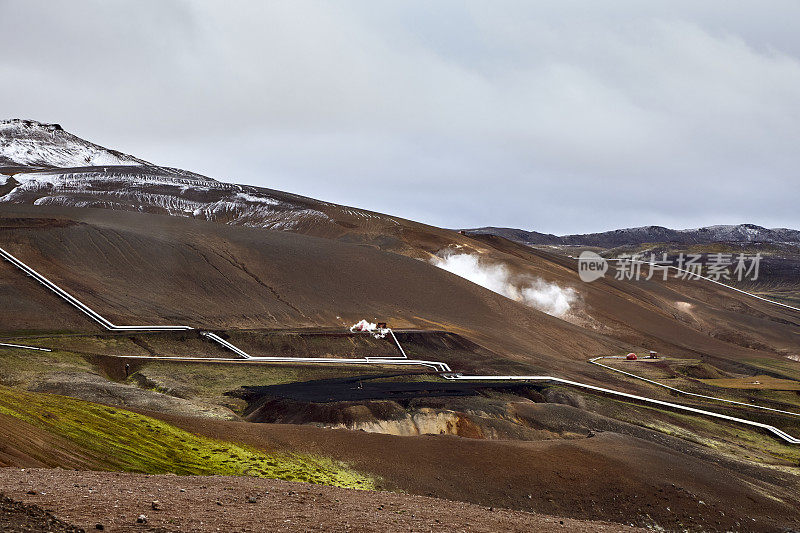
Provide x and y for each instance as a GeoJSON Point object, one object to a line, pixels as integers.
{"type": "Point", "coordinates": [131, 442]}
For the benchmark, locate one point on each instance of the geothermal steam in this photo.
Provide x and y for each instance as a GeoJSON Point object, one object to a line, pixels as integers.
{"type": "Point", "coordinates": [535, 292]}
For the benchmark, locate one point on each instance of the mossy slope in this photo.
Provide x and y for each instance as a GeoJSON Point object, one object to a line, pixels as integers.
{"type": "Point", "coordinates": [135, 443]}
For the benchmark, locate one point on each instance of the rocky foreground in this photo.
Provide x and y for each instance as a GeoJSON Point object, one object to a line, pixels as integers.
{"type": "Point", "coordinates": [105, 501]}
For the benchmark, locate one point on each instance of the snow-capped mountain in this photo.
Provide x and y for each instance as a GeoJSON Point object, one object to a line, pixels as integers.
{"type": "Point", "coordinates": [42, 164]}
{"type": "Point", "coordinates": [740, 233]}
{"type": "Point", "coordinates": [31, 143]}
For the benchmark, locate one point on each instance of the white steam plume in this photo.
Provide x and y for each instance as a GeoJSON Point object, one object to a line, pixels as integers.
{"type": "Point", "coordinates": [535, 292]}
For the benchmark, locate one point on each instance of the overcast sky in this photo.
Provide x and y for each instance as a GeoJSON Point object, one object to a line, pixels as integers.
{"type": "Point", "coordinates": [562, 117]}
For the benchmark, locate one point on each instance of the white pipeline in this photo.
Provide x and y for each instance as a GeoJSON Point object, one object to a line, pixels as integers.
{"type": "Point", "coordinates": [438, 366]}
{"type": "Point", "coordinates": [594, 362]}
{"type": "Point", "coordinates": [91, 313]}
{"type": "Point", "coordinates": [25, 347]}
{"type": "Point", "coordinates": [772, 429]}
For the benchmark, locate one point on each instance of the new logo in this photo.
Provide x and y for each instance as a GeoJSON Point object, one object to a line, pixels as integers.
{"type": "Point", "coordinates": [591, 266]}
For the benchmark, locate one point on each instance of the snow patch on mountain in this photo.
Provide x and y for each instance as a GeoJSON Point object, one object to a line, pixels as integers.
{"type": "Point", "coordinates": [125, 176]}
{"type": "Point", "coordinates": [256, 199]}
{"type": "Point", "coordinates": [152, 189]}
{"type": "Point", "coordinates": [50, 166]}
{"type": "Point", "coordinates": [31, 143]}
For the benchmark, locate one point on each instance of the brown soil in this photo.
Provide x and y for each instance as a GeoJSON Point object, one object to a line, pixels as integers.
{"type": "Point", "coordinates": [700, 371]}
{"type": "Point", "coordinates": [156, 269]}
{"type": "Point", "coordinates": [22, 444]}
{"type": "Point", "coordinates": [754, 382]}
{"type": "Point", "coordinates": [217, 503]}
{"type": "Point", "coordinates": [150, 269]}
{"type": "Point", "coordinates": [18, 517]}
{"type": "Point", "coordinates": [609, 477]}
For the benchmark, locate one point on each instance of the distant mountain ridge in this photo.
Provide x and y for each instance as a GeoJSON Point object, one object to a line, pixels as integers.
{"type": "Point", "coordinates": [649, 234]}
{"type": "Point", "coordinates": [43, 164]}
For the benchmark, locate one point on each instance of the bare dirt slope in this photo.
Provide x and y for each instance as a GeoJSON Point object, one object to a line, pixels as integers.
{"type": "Point", "coordinates": [673, 316]}
{"type": "Point", "coordinates": [44, 167]}
{"type": "Point", "coordinates": [154, 269]}
{"type": "Point", "coordinates": [24, 445]}
{"type": "Point", "coordinates": [245, 504]}
{"type": "Point", "coordinates": [145, 268]}
{"type": "Point", "coordinates": [624, 473]}
{"type": "Point", "coordinates": [612, 476]}
{"type": "Point", "coordinates": [216, 263]}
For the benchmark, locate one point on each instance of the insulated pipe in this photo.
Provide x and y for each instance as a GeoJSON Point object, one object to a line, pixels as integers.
{"type": "Point", "coordinates": [772, 429]}
{"type": "Point", "coordinates": [216, 338]}
{"type": "Point", "coordinates": [25, 347]}
{"type": "Point", "coordinates": [91, 313]}
{"type": "Point", "coordinates": [398, 344]}
{"type": "Point", "coordinates": [594, 362]}
{"type": "Point", "coordinates": [693, 275]}
{"type": "Point", "coordinates": [440, 367]}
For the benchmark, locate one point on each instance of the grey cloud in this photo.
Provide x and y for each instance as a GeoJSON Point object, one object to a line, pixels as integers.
{"type": "Point", "coordinates": [555, 116]}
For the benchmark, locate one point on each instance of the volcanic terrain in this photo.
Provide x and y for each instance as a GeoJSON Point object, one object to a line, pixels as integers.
{"type": "Point", "coordinates": [277, 275]}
